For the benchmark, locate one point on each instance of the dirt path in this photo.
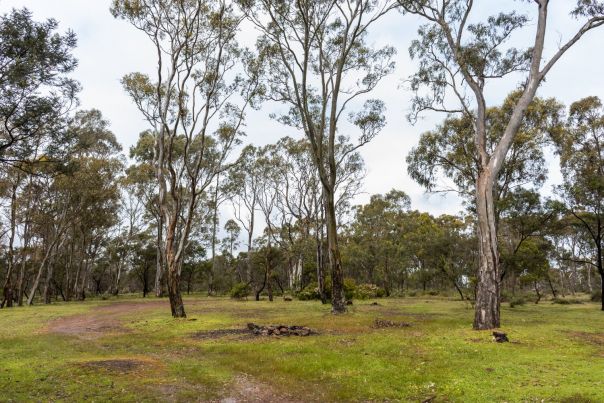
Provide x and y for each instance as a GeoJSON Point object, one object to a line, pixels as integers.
{"type": "Point", "coordinates": [245, 389]}
{"type": "Point", "coordinates": [108, 319]}
{"type": "Point", "coordinates": [101, 320]}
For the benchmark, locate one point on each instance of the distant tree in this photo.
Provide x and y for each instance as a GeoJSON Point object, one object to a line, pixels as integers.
{"type": "Point", "coordinates": [375, 240]}
{"type": "Point", "coordinates": [581, 150]}
{"type": "Point", "coordinates": [524, 218]}
{"type": "Point", "coordinates": [457, 57]}
{"type": "Point", "coordinates": [244, 180]}
{"type": "Point", "coordinates": [233, 231]}
{"type": "Point", "coordinates": [140, 177]}
{"type": "Point", "coordinates": [318, 62]}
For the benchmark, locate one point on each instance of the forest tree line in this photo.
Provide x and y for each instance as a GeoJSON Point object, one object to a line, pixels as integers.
{"type": "Point", "coordinates": [194, 209]}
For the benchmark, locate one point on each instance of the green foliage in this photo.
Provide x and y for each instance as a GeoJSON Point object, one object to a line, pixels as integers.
{"type": "Point", "coordinates": [596, 296]}
{"type": "Point", "coordinates": [367, 291]}
{"type": "Point", "coordinates": [566, 301]}
{"type": "Point", "coordinates": [350, 286]}
{"type": "Point", "coordinates": [310, 292]}
{"type": "Point", "coordinates": [450, 149]}
{"type": "Point", "coordinates": [517, 301]}
{"type": "Point", "coordinates": [36, 92]}
{"type": "Point", "coordinates": [240, 291]}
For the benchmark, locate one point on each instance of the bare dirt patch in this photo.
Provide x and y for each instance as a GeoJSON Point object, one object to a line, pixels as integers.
{"type": "Point", "coordinates": [253, 330]}
{"type": "Point", "coordinates": [246, 389]}
{"type": "Point", "coordinates": [592, 338]}
{"type": "Point", "coordinates": [101, 320]}
{"type": "Point", "coordinates": [220, 333]}
{"type": "Point", "coordinates": [122, 366]}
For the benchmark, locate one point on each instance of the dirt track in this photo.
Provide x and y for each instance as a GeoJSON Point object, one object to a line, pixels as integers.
{"type": "Point", "coordinates": [101, 320]}
{"type": "Point", "coordinates": [109, 319]}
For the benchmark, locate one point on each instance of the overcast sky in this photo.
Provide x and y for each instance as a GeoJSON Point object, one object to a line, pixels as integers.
{"type": "Point", "coordinates": [108, 49]}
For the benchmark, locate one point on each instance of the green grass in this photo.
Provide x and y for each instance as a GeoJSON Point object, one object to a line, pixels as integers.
{"type": "Point", "coordinates": [556, 353]}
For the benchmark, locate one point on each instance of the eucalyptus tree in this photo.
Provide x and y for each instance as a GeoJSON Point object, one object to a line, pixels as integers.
{"type": "Point", "coordinates": [244, 180]}
{"type": "Point", "coordinates": [449, 150]}
{"type": "Point", "coordinates": [524, 218]}
{"type": "Point", "coordinates": [77, 203]}
{"type": "Point", "coordinates": [375, 238]}
{"type": "Point", "coordinates": [142, 177]}
{"type": "Point", "coordinates": [36, 92]}
{"type": "Point", "coordinates": [458, 56]}
{"type": "Point", "coordinates": [196, 101]}
{"type": "Point", "coordinates": [581, 150]}
{"type": "Point", "coordinates": [320, 65]}
{"type": "Point", "coordinates": [268, 164]}
{"type": "Point", "coordinates": [36, 96]}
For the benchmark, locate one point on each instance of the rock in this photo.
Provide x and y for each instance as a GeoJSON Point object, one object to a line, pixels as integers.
{"type": "Point", "coordinates": [383, 324]}
{"type": "Point", "coordinates": [279, 330]}
{"type": "Point", "coordinates": [500, 337]}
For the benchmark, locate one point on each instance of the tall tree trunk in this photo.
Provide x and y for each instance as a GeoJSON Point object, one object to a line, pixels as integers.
{"type": "Point", "coordinates": [116, 289]}
{"type": "Point", "coordinates": [159, 268]}
{"type": "Point", "coordinates": [173, 274]}
{"type": "Point", "coordinates": [214, 231]}
{"type": "Point", "coordinates": [338, 302]}
{"type": "Point", "coordinates": [551, 286]}
{"type": "Point", "coordinates": [269, 272]}
{"type": "Point", "coordinates": [259, 290]}
{"type": "Point", "coordinates": [487, 307]}
{"type": "Point", "coordinates": [600, 256]}
{"type": "Point", "coordinates": [21, 280]}
{"type": "Point", "coordinates": [8, 284]}
{"type": "Point", "coordinates": [30, 299]}
{"type": "Point", "coordinates": [320, 268]}
{"type": "Point", "coordinates": [49, 273]}
{"type": "Point", "coordinates": [248, 258]}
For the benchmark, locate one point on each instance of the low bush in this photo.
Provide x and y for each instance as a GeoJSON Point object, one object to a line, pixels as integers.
{"type": "Point", "coordinates": [566, 301]}
{"type": "Point", "coordinates": [309, 293]}
{"type": "Point", "coordinates": [366, 291]}
{"type": "Point", "coordinates": [350, 286]}
{"type": "Point", "coordinates": [506, 296]}
{"type": "Point", "coordinates": [517, 301]}
{"type": "Point", "coordinates": [240, 291]}
{"type": "Point", "coordinates": [596, 296]}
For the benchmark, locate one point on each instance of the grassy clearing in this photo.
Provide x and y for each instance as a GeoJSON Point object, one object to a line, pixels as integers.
{"type": "Point", "coordinates": [556, 354]}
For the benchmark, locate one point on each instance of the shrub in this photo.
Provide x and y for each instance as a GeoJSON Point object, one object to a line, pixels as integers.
{"type": "Point", "coordinates": [433, 292]}
{"type": "Point", "coordinates": [596, 296]}
{"type": "Point", "coordinates": [506, 296]}
{"type": "Point", "coordinates": [517, 301]}
{"type": "Point", "coordinates": [350, 286]}
{"type": "Point", "coordinates": [310, 292]}
{"type": "Point", "coordinates": [566, 301]}
{"type": "Point", "coordinates": [239, 291]}
{"type": "Point", "coordinates": [412, 294]}
{"type": "Point", "coordinates": [366, 291]}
